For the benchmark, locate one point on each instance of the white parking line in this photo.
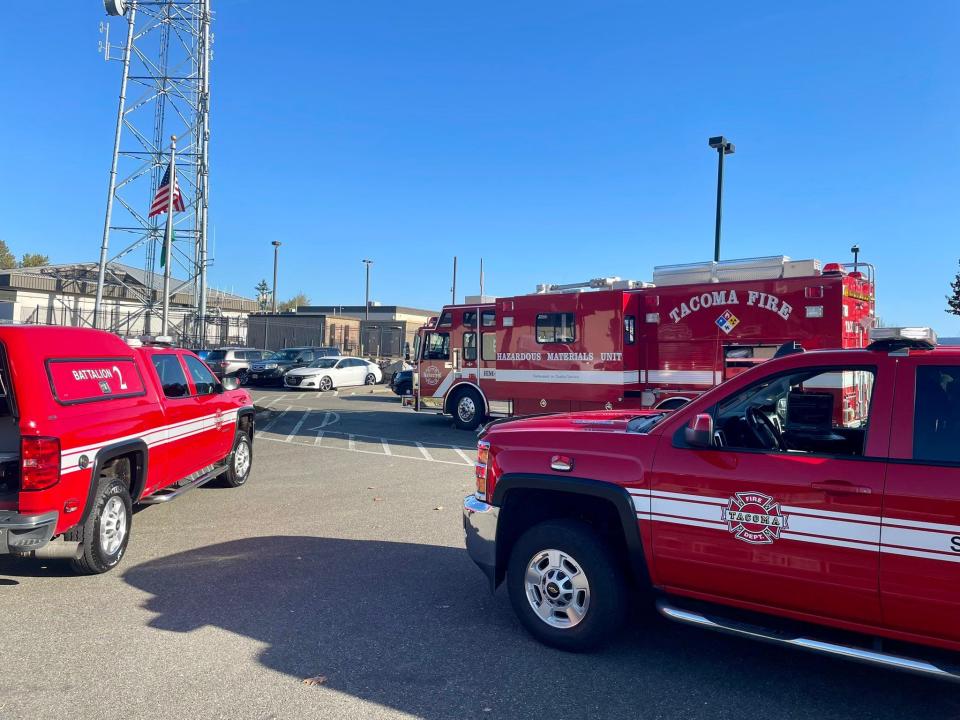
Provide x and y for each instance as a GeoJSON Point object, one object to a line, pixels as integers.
{"type": "Point", "coordinates": [462, 454]}
{"type": "Point", "coordinates": [351, 442]}
{"type": "Point", "coordinates": [319, 438]}
{"type": "Point", "coordinates": [374, 452]}
{"type": "Point", "coordinates": [424, 452]}
{"type": "Point", "coordinates": [386, 447]}
{"type": "Point", "coordinates": [296, 428]}
{"type": "Point", "coordinates": [266, 428]}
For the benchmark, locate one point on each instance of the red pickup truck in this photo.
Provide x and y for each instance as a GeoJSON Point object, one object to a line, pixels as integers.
{"type": "Point", "coordinates": [90, 425]}
{"type": "Point", "coordinates": [813, 501]}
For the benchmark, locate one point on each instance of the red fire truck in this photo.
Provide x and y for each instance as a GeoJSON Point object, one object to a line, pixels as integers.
{"type": "Point", "coordinates": [611, 343]}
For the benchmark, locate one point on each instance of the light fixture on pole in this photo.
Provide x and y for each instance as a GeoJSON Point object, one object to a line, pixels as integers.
{"type": "Point", "coordinates": [856, 255]}
{"type": "Point", "coordinates": [366, 303]}
{"type": "Point", "coordinates": [723, 147]}
{"type": "Point", "coordinates": [276, 251]}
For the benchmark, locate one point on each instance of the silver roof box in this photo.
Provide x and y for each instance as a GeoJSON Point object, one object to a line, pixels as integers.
{"type": "Point", "coordinates": [773, 267]}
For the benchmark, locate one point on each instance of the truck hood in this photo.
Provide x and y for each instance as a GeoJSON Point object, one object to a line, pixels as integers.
{"type": "Point", "coordinates": [591, 421]}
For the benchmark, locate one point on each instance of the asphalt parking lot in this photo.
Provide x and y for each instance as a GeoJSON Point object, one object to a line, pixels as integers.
{"type": "Point", "coordinates": [342, 559]}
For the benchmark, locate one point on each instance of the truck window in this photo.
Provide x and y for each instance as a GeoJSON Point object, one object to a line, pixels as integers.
{"type": "Point", "coordinates": [488, 318]}
{"type": "Point", "coordinates": [814, 410]}
{"type": "Point", "coordinates": [172, 379]}
{"type": "Point", "coordinates": [555, 328]}
{"type": "Point", "coordinates": [470, 318]}
{"type": "Point", "coordinates": [203, 379]}
{"type": "Point", "coordinates": [445, 319]}
{"type": "Point", "coordinates": [437, 346]}
{"type": "Point", "coordinates": [488, 343]}
{"type": "Point", "coordinates": [469, 346]}
{"type": "Point", "coordinates": [936, 414]}
{"type": "Point", "coordinates": [629, 329]}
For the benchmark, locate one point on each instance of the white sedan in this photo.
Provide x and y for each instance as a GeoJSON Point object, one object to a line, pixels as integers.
{"type": "Point", "coordinates": [334, 372]}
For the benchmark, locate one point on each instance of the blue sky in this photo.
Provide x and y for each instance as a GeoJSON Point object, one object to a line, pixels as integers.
{"type": "Point", "coordinates": [558, 140]}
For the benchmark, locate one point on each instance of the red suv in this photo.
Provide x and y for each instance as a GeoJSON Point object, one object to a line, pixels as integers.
{"type": "Point", "coordinates": [90, 425]}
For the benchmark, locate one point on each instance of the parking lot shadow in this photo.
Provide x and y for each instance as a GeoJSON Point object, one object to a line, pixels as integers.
{"type": "Point", "coordinates": [412, 627]}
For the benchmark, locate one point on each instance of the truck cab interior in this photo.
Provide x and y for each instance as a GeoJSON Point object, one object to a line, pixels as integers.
{"type": "Point", "coordinates": [813, 411]}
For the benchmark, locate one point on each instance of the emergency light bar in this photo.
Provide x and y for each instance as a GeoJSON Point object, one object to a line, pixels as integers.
{"type": "Point", "coordinates": [902, 337]}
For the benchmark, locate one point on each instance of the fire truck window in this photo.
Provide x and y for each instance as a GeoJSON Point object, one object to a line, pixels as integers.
{"type": "Point", "coordinates": [203, 379]}
{"type": "Point", "coordinates": [555, 328]}
{"type": "Point", "coordinates": [446, 319]}
{"type": "Point", "coordinates": [437, 346]}
{"type": "Point", "coordinates": [629, 329]}
{"type": "Point", "coordinates": [488, 346]}
{"type": "Point", "coordinates": [816, 410]}
{"type": "Point", "coordinates": [936, 415]}
{"type": "Point", "coordinates": [488, 318]}
{"type": "Point", "coordinates": [172, 379]}
{"type": "Point", "coordinates": [470, 346]}
{"type": "Point", "coordinates": [470, 318]}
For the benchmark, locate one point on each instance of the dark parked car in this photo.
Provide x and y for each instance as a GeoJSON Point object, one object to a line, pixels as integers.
{"type": "Point", "coordinates": [271, 370]}
{"type": "Point", "coordinates": [402, 382]}
{"type": "Point", "coordinates": [234, 361]}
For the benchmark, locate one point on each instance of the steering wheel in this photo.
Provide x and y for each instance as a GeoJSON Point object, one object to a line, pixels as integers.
{"type": "Point", "coordinates": [764, 430]}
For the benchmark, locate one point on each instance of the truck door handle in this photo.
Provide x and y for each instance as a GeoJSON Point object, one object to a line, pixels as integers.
{"type": "Point", "coordinates": [841, 487]}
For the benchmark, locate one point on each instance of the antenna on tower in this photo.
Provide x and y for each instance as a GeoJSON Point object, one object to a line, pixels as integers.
{"type": "Point", "coordinates": [164, 91]}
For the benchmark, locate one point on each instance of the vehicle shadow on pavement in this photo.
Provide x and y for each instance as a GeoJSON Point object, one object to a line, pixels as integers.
{"type": "Point", "coordinates": [413, 627]}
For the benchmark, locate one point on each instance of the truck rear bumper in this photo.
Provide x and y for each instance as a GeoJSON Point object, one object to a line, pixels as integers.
{"type": "Point", "coordinates": [24, 533]}
{"type": "Point", "coordinates": [480, 527]}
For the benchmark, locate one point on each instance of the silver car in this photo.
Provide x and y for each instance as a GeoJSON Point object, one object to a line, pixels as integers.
{"type": "Point", "coordinates": [234, 361]}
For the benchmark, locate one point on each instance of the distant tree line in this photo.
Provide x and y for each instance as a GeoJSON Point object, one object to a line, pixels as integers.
{"type": "Point", "coordinates": [265, 299]}
{"type": "Point", "coordinates": [8, 260]}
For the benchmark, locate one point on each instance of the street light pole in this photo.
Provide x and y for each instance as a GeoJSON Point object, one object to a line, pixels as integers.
{"type": "Point", "coordinates": [276, 251]}
{"type": "Point", "coordinates": [366, 304]}
{"type": "Point", "coordinates": [723, 147]}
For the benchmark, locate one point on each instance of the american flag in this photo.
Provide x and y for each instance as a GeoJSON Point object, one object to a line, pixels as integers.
{"type": "Point", "coordinates": [162, 198]}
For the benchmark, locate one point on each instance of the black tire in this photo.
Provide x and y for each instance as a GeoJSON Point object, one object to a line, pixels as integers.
{"type": "Point", "coordinates": [370, 379]}
{"type": "Point", "coordinates": [94, 557]}
{"type": "Point", "coordinates": [459, 404]}
{"type": "Point", "coordinates": [243, 377]}
{"type": "Point", "coordinates": [605, 609]}
{"type": "Point", "coordinates": [238, 470]}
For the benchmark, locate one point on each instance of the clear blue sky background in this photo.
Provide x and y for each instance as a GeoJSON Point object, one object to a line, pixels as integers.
{"type": "Point", "coordinates": [558, 140]}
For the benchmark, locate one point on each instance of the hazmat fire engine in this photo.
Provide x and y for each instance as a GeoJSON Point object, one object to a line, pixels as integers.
{"type": "Point", "coordinates": [611, 343]}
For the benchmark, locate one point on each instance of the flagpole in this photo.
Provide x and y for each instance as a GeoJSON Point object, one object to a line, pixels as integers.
{"type": "Point", "coordinates": [168, 236]}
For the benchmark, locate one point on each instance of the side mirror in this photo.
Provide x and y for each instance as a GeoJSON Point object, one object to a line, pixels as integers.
{"type": "Point", "coordinates": [699, 431]}
{"type": "Point", "coordinates": [229, 383]}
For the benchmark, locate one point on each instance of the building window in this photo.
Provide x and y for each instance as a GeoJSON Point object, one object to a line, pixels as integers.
{"type": "Point", "coordinates": [437, 346]}
{"type": "Point", "coordinates": [488, 318]}
{"type": "Point", "coordinates": [469, 346]}
{"type": "Point", "coordinates": [555, 328]}
{"type": "Point", "coordinates": [488, 349]}
{"type": "Point", "coordinates": [629, 329]}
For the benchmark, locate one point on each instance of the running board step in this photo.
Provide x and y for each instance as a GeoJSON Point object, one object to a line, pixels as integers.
{"type": "Point", "coordinates": [169, 493]}
{"type": "Point", "coordinates": [848, 652]}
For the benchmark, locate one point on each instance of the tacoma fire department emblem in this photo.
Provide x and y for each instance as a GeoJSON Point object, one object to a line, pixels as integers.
{"type": "Point", "coordinates": [431, 375]}
{"type": "Point", "coordinates": [754, 518]}
{"type": "Point", "coordinates": [727, 322]}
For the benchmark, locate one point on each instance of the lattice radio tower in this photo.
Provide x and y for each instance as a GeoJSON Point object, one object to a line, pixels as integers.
{"type": "Point", "coordinates": [164, 92]}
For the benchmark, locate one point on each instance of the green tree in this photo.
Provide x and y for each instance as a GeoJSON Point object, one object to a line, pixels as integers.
{"type": "Point", "coordinates": [263, 294]}
{"type": "Point", "coordinates": [34, 260]}
{"type": "Point", "coordinates": [953, 299]}
{"type": "Point", "coordinates": [294, 302]}
{"type": "Point", "coordinates": [7, 258]}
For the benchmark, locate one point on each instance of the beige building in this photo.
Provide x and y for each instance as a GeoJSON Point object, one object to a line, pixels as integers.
{"type": "Point", "coordinates": [132, 302]}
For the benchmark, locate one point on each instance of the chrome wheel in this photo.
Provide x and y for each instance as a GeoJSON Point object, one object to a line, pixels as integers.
{"type": "Point", "coordinates": [241, 459]}
{"type": "Point", "coordinates": [371, 379]}
{"type": "Point", "coordinates": [113, 525]}
{"type": "Point", "coordinates": [326, 384]}
{"type": "Point", "coordinates": [466, 409]}
{"type": "Point", "coordinates": [557, 589]}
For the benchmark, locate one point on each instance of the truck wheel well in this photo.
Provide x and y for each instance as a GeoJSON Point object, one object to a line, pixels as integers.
{"type": "Point", "coordinates": [126, 468]}
{"type": "Point", "coordinates": [244, 424]}
{"type": "Point", "coordinates": [523, 508]}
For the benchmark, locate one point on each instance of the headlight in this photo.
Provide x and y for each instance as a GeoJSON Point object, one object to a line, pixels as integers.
{"type": "Point", "coordinates": [270, 366]}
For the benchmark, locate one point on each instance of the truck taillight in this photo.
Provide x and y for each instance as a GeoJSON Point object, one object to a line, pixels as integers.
{"type": "Point", "coordinates": [40, 463]}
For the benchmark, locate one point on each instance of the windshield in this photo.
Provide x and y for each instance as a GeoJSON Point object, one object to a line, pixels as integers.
{"type": "Point", "coordinates": [284, 355]}
{"type": "Point", "coordinates": [323, 363]}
